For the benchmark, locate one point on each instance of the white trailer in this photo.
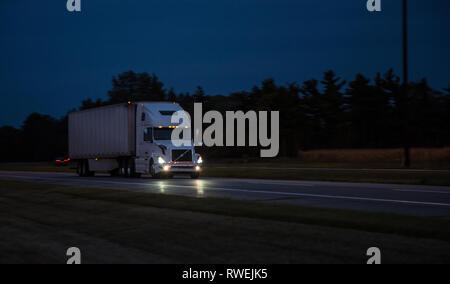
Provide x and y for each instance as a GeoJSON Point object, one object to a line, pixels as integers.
{"type": "Point", "coordinates": [130, 140]}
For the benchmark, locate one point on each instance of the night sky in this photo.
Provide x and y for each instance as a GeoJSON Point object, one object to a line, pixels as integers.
{"type": "Point", "coordinates": [51, 59]}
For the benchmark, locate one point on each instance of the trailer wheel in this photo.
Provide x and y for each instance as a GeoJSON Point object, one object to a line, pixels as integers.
{"type": "Point", "coordinates": [83, 168]}
{"type": "Point", "coordinates": [87, 172]}
{"type": "Point", "coordinates": [195, 175]}
{"type": "Point", "coordinates": [80, 168]}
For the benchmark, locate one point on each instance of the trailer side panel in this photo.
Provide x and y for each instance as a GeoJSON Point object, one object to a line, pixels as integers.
{"type": "Point", "coordinates": [106, 132]}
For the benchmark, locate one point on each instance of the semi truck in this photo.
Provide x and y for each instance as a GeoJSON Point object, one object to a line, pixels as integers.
{"type": "Point", "coordinates": [130, 140]}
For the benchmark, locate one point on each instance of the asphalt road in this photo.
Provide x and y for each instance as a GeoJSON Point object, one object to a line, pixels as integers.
{"type": "Point", "coordinates": [404, 199]}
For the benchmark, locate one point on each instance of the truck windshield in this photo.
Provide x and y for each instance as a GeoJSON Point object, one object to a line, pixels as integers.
{"type": "Point", "coordinates": [163, 133]}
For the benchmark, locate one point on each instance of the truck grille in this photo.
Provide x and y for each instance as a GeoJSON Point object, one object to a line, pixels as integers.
{"type": "Point", "coordinates": [182, 155]}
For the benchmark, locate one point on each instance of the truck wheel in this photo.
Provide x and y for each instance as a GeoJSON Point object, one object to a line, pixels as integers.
{"type": "Point", "coordinates": [153, 172]}
{"type": "Point", "coordinates": [133, 172]}
{"type": "Point", "coordinates": [195, 175]}
{"type": "Point", "coordinates": [124, 169]}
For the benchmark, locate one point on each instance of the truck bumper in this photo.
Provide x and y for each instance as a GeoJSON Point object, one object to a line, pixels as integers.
{"type": "Point", "coordinates": [180, 168]}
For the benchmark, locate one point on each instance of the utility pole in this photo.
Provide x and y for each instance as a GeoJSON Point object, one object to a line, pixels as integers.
{"type": "Point", "coordinates": [405, 96]}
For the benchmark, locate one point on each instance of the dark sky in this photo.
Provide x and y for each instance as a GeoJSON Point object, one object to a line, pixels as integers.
{"type": "Point", "coordinates": [51, 59]}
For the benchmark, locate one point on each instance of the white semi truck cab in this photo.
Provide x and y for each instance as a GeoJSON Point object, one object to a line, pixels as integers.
{"type": "Point", "coordinates": [130, 140]}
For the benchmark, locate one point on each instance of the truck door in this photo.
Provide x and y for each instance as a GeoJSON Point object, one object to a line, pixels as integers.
{"type": "Point", "coordinates": [145, 145]}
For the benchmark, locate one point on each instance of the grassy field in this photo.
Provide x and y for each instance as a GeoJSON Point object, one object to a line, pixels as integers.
{"type": "Point", "coordinates": [436, 178]}
{"type": "Point", "coordinates": [39, 222]}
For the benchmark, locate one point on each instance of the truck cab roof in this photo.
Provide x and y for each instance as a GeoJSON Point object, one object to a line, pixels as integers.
{"type": "Point", "coordinates": [159, 113]}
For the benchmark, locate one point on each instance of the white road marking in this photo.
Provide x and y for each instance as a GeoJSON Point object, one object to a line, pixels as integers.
{"type": "Point", "coordinates": [424, 191]}
{"type": "Point", "coordinates": [322, 196]}
{"type": "Point", "coordinates": [205, 187]}
{"type": "Point", "coordinates": [289, 183]}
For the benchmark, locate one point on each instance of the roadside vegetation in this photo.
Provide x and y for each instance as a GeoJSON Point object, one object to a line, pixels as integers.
{"type": "Point", "coordinates": [321, 113]}
{"type": "Point", "coordinates": [437, 178]}
{"type": "Point", "coordinates": [39, 222]}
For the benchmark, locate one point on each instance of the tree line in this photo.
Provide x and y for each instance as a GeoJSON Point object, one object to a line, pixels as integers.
{"type": "Point", "coordinates": [329, 113]}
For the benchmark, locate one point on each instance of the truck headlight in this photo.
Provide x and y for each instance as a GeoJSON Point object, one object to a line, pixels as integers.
{"type": "Point", "coordinates": [161, 160]}
{"type": "Point", "coordinates": [200, 160]}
